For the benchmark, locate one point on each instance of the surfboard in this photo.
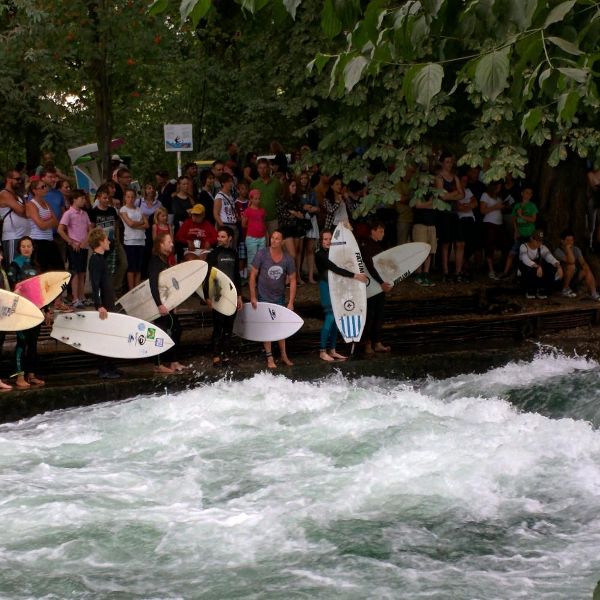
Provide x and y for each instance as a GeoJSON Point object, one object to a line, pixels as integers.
{"type": "Point", "coordinates": [221, 292]}
{"type": "Point", "coordinates": [17, 313]}
{"type": "Point", "coordinates": [175, 284]}
{"type": "Point", "coordinates": [267, 323]}
{"type": "Point", "coordinates": [397, 263]}
{"type": "Point", "coordinates": [348, 296]}
{"type": "Point", "coordinates": [43, 289]}
{"type": "Point", "coordinates": [117, 336]}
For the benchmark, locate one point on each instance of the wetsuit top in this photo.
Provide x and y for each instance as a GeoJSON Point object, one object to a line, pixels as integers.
{"type": "Point", "coordinates": [324, 265]}
{"type": "Point", "coordinates": [155, 267]}
{"type": "Point", "coordinates": [369, 249]}
{"type": "Point", "coordinates": [226, 260]}
{"type": "Point", "coordinates": [103, 292]}
{"type": "Point", "coordinates": [21, 268]}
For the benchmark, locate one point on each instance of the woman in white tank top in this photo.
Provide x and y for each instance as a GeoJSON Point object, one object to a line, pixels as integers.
{"type": "Point", "coordinates": [43, 221]}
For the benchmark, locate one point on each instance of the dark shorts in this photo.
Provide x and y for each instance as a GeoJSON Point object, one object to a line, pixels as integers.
{"type": "Point", "coordinates": [77, 260]}
{"type": "Point", "coordinates": [48, 256]}
{"type": "Point", "coordinates": [448, 227]}
{"type": "Point", "coordinates": [135, 258]}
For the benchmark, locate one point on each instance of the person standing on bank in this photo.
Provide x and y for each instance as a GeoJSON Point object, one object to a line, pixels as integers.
{"type": "Point", "coordinates": [327, 351]}
{"type": "Point", "coordinates": [15, 223]}
{"type": "Point", "coordinates": [270, 268]}
{"type": "Point", "coordinates": [226, 259]}
{"type": "Point", "coordinates": [375, 304]}
{"type": "Point", "coordinates": [103, 293]}
{"type": "Point", "coordinates": [168, 321]}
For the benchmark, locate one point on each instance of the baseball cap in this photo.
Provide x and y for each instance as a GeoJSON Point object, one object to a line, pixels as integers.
{"type": "Point", "coordinates": [197, 209]}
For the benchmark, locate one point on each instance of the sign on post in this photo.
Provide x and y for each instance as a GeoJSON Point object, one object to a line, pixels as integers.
{"type": "Point", "coordinates": [179, 138]}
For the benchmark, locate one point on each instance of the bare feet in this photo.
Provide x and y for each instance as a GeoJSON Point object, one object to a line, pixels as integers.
{"type": "Point", "coordinates": [369, 350]}
{"type": "Point", "coordinates": [337, 355]}
{"type": "Point", "coordinates": [33, 380]}
{"type": "Point", "coordinates": [313, 281]}
{"type": "Point", "coordinates": [381, 348]}
{"type": "Point", "coordinates": [286, 361]}
{"type": "Point", "coordinates": [164, 370]}
{"type": "Point", "coordinates": [4, 386]}
{"type": "Point", "coordinates": [21, 382]}
{"type": "Point", "coordinates": [271, 363]}
{"type": "Point", "coordinates": [324, 356]}
{"type": "Point", "coordinates": [177, 366]}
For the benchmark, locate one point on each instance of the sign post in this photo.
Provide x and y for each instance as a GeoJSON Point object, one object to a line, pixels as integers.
{"type": "Point", "coordinates": [178, 138]}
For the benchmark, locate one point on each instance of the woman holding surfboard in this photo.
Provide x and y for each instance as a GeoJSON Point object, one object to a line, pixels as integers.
{"type": "Point", "coordinates": [23, 267]}
{"type": "Point", "coordinates": [327, 351]}
{"type": "Point", "coordinates": [270, 268]}
{"type": "Point", "coordinates": [168, 321]}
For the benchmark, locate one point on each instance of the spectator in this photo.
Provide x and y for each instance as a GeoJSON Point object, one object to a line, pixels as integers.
{"type": "Point", "coordinates": [539, 269]}
{"type": "Point", "coordinates": [196, 235]}
{"type": "Point", "coordinates": [493, 232]}
{"type": "Point", "coordinates": [574, 266]}
{"type": "Point", "coordinates": [270, 193]}
{"type": "Point", "coordinates": [224, 206]}
{"type": "Point", "coordinates": [424, 231]}
{"type": "Point", "coordinates": [165, 188]}
{"type": "Point", "coordinates": [311, 208]}
{"type": "Point", "coordinates": [15, 223]}
{"type": "Point", "coordinates": [206, 198]}
{"type": "Point", "coordinates": [253, 220]}
{"type": "Point", "coordinates": [134, 238]}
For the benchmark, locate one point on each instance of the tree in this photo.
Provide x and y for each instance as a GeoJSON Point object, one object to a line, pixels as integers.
{"type": "Point", "coordinates": [514, 82]}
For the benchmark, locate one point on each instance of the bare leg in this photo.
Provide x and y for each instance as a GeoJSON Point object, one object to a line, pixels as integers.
{"type": "Point", "coordinates": [284, 356]}
{"type": "Point", "coordinates": [459, 255]}
{"type": "Point", "coordinates": [310, 258]}
{"type": "Point", "coordinates": [326, 357]}
{"type": "Point", "coordinates": [270, 362]}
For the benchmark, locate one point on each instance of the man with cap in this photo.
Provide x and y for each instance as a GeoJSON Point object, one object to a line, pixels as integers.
{"type": "Point", "coordinates": [196, 233]}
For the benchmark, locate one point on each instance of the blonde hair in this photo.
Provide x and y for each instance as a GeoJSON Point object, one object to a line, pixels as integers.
{"type": "Point", "coordinates": [161, 210]}
{"type": "Point", "coordinates": [95, 237]}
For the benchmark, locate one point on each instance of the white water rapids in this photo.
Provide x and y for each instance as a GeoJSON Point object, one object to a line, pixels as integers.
{"type": "Point", "coordinates": [268, 488]}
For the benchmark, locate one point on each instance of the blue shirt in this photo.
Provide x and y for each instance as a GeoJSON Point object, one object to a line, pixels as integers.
{"type": "Point", "coordinates": [56, 201]}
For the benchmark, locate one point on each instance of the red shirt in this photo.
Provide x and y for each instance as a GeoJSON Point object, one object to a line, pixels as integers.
{"type": "Point", "coordinates": [190, 231]}
{"type": "Point", "coordinates": [256, 222]}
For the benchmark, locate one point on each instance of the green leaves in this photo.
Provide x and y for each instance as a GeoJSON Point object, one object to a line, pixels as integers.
{"type": "Point", "coordinates": [292, 6]}
{"type": "Point", "coordinates": [353, 70]}
{"type": "Point", "coordinates": [558, 13]}
{"type": "Point", "coordinates": [194, 10]}
{"type": "Point", "coordinates": [158, 6]}
{"type": "Point", "coordinates": [531, 120]}
{"type": "Point", "coordinates": [427, 83]}
{"type": "Point", "coordinates": [491, 73]}
{"type": "Point", "coordinates": [565, 45]}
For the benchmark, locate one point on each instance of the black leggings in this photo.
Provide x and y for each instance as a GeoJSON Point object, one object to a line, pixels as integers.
{"type": "Point", "coordinates": [26, 351]}
{"type": "Point", "coordinates": [374, 324]}
{"type": "Point", "coordinates": [170, 325]}
{"type": "Point", "coordinates": [532, 283]}
{"type": "Point", "coordinates": [221, 335]}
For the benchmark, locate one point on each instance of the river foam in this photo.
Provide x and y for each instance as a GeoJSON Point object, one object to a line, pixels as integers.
{"type": "Point", "coordinates": [281, 489]}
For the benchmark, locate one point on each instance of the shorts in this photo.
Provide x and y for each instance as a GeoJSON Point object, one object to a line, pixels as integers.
{"type": "Point", "coordinates": [48, 256]}
{"type": "Point", "coordinates": [135, 258]}
{"type": "Point", "coordinates": [426, 234]}
{"type": "Point", "coordinates": [280, 301]}
{"type": "Point", "coordinates": [448, 227]}
{"type": "Point", "coordinates": [77, 260]}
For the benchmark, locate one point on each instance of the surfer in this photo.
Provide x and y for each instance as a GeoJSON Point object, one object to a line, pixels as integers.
{"type": "Point", "coordinates": [168, 321]}
{"type": "Point", "coordinates": [327, 351]}
{"type": "Point", "coordinates": [23, 267]}
{"type": "Point", "coordinates": [375, 304]}
{"type": "Point", "coordinates": [225, 258]}
{"type": "Point", "coordinates": [270, 268]}
{"type": "Point", "coordinates": [103, 293]}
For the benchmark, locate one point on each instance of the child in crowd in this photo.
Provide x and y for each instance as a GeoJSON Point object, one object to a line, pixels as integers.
{"type": "Point", "coordinates": [23, 267]}
{"type": "Point", "coordinates": [73, 228]}
{"type": "Point", "coordinates": [103, 294]}
{"type": "Point", "coordinates": [161, 225]}
{"type": "Point", "coordinates": [134, 238]}
{"type": "Point", "coordinates": [253, 220]}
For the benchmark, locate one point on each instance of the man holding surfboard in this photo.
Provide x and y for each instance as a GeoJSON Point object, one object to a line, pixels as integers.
{"type": "Point", "coordinates": [375, 304]}
{"type": "Point", "coordinates": [226, 259]}
{"type": "Point", "coordinates": [270, 269]}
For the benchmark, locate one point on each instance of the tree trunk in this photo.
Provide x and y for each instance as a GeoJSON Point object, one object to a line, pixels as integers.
{"type": "Point", "coordinates": [561, 195]}
{"type": "Point", "coordinates": [99, 76]}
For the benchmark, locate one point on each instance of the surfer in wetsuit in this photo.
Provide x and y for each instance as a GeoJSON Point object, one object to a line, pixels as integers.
{"type": "Point", "coordinates": [103, 293]}
{"type": "Point", "coordinates": [375, 304]}
{"type": "Point", "coordinates": [226, 259]}
{"type": "Point", "coordinates": [23, 267]}
{"type": "Point", "coordinates": [5, 285]}
{"type": "Point", "coordinates": [327, 351]}
{"type": "Point", "coordinates": [168, 321]}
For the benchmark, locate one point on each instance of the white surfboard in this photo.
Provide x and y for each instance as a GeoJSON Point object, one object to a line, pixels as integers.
{"type": "Point", "coordinates": [397, 263]}
{"type": "Point", "coordinates": [17, 313]}
{"type": "Point", "coordinates": [221, 292]}
{"type": "Point", "coordinates": [175, 284]}
{"type": "Point", "coordinates": [43, 289]}
{"type": "Point", "coordinates": [267, 323]}
{"type": "Point", "coordinates": [117, 336]}
{"type": "Point", "coordinates": [348, 296]}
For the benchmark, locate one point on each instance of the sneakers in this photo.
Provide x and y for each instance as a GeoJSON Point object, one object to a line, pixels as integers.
{"type": "Point", "coordinates": [77, 304]}
{"type": "Point", "coordinates": [541, 296]}
{"type": "Point", "coordinates": [424, 281]}
{"type": "Point", "coordinates": [493, 275]}
{"type": "Point", "coordinates": [568, 293]}
{"type": "Point", "coordinates": [529, 296]}
{"type": "Point", "coordinates": [595, 296]}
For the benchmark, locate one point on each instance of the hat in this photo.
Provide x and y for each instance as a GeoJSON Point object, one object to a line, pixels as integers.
{"type": "Point", "coordinates": [254, 194]}
{"type": "Point", "coordinates": [538, 235]}
{"type": "Point", "coordinates": [116, 157]}
{"type": "Point", "coordinates": [197, 209]}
